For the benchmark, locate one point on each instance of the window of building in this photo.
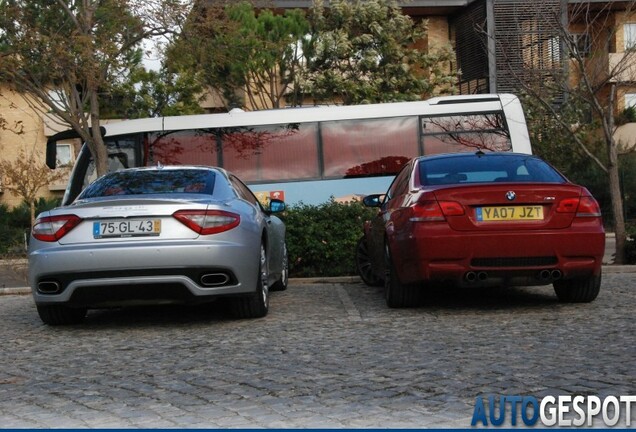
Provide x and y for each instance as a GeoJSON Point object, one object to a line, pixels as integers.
{"type": "Point", "coordinates": [630, 100]}
{"type": "Point", "coordinates": [64, 155]}
{"type": "Point", "coordinates": [630, 36]}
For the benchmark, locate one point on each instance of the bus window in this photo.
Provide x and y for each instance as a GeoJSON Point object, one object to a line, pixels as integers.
{"type": "Point", "coordinates": [465, 133]}
{"type": "Point", "coordinates": [277, 152]}
{"type": "Point", "coordinates": [121, 155]}
{"type": "Point", "coordinates": [189, 147]}
{"type": "Point", "coordinates": [354, 148]}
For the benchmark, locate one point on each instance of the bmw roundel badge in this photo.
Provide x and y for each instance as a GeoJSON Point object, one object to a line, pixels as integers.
{"type": "Point", "coordinates": [510, 195]}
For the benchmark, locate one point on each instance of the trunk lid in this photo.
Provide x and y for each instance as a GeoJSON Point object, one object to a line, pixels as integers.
{"type": "Point", "coordinates": [510, 206]}
{"type": "Point", "coordinates": [129, 219]}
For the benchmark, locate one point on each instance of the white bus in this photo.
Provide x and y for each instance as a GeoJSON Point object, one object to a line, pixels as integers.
{"type": "Point", "coordinates": [310, 154]}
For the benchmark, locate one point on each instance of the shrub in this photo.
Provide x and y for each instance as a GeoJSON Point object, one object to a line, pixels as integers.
{"type": "Point", "coordinates": [10, 236]}
{"type": "Point", "coordinates": [21, 216]}
{"type": "Point", "coordinates": [630, 246]}
{"type": "Point", "coordinates": [16, 222]}
{"type": "Point", "coordinates": [321, 239]}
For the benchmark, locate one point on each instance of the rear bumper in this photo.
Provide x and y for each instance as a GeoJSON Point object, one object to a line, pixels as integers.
{"type": "Point", "coordinates": [120, 274]}
{"type": "Point", "coordinates": [495, 258]}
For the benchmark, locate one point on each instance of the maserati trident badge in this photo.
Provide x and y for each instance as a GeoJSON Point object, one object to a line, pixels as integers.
{"type": "Point", "coordinates": [510, 195]}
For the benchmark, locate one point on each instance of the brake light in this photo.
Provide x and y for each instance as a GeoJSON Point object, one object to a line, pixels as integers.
{"type": "Point", "coordinates": [206, 222]}
{"type": "Point", "coordinates": [588, 207]}
{"type": "Point", "coordinates": [585, 206]}
{"type": "Point", "coordinates": [451, 208]}
{"type": "Point", "coordinates": [568, 205]}
{"type": "Point", "coordinates": [53, 228]}
{"type": "Point", "coordinates": [433, 211]}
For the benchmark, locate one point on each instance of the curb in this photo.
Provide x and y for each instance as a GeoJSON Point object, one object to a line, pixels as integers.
{"type": "Point", "coordinates": [607, 269]}
{"type": "Point", "coordinates": [15, 291]}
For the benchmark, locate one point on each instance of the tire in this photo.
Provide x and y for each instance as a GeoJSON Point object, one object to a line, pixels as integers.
{"type": "Point", "coordinates": [364, 266]}
{"type": "Point", "coordinates": [580, 290]}
{"type": "Point", "coordinates": [255, 305]}
{"type": "Point", "coordinates": [281, 284]}
{"type": "Point", "coordinates": [61, 315]}
{"type": "Point", "coordinates": [397, 294]}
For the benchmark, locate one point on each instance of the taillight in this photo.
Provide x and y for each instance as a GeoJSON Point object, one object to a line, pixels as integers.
{"type": "Point", "coordinates": [585, 206]}
{"type": "Point", "coordinates": [451, 208]}
{"type": "Point", "coordinates": [206, 222]}
{"type": "Point", "coordinates": [432, 211]}
{"type": "Point", "coordinates": [53, 228]}
{"type": "Point", "coordinates": [588, 207]}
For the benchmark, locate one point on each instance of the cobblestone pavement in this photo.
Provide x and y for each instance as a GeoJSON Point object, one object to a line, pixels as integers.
{"type": "Point", "coordinates": [327, 355]}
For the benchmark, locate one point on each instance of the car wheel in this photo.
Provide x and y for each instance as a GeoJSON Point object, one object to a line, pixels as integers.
{"type": "Point", "coordinates": [363, 265]}
{"type": "Point", "coordinates": [61, 315]}
{"type": "Point", "coordinates": [257, 304]}
{"type": "Point", "coordinates": [397, 294]}
{"type": "Point", "coordinates": [580, 290]}
{"type": "Point", "coordinates": [281, 284]}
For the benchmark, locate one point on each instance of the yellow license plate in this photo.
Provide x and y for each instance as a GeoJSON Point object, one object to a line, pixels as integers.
{"type": "Point", "coordinates": [511, 213]}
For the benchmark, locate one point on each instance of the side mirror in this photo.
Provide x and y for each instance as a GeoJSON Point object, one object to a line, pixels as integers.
{"type": "Point", "coordinates": [374, 200]}
{"type": "Point", "coordinates": [276, 206]}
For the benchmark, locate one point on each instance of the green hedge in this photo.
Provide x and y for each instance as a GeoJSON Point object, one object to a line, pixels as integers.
{"type": "Point", "coordinates": [630, 246]}
{"type": "Point", "coordinates": [321, 239]}
{"type": "Point", "coordinates": [16, 222]}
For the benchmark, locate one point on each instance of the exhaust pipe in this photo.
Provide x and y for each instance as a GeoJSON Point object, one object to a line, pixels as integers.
{"type": "Point", "coordinates": [549, 275]}
{"type": "Point", "coordinates": [470, 277]}
{"type": "Point", "coordinates": [214, 279]}
{"type": "Point", "coordinates": [544, 275]}
{"type": "Point", "coordinates": [482, 276]}
{"type": "Point", "coordinates": [49, 287]}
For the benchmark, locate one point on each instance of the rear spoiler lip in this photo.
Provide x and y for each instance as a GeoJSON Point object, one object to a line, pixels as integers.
{"type": "Point", "coordinates": [51, 143]}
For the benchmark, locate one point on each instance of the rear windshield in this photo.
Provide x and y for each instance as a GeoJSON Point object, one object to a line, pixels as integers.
{"type": "Point", "coordinates": [144, 182]}
{"type": "Point", "coordinates": [486, 169]}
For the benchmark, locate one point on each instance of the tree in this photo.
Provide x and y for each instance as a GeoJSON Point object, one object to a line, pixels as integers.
{"type": "Point", "coordinates": [64, 55]}
{"type": "Point", "coordinates": [589, 88]}
{"type": "Point", "coordinates": [367, 52]}
{"type": "Point", "coordinates": [242, 52]}
{"type": "Point", "coordinates": [150, 93]}
{"type": "Point", "coordinates": [26, 175]}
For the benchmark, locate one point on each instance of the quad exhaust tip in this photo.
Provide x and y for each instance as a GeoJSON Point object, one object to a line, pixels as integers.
{"type": "Point", "coordinates": [549, 275]}
{"type": "Point", "coordinates": [472, 277]}
{"type": "Point", "coordinates": [543, 275]}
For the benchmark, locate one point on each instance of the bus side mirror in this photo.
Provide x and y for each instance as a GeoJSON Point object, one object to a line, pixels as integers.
{"type": "Point", "coordinates": [51, 143]}
{"type": "Point", "coordinates": [51, 153]}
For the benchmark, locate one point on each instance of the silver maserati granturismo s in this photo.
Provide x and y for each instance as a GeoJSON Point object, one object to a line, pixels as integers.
{"type": "Point", "coordinates": [158, 235]}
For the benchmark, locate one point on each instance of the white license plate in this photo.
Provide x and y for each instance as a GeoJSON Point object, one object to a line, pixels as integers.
{"type": "Point", "coordinates": [127, 228]}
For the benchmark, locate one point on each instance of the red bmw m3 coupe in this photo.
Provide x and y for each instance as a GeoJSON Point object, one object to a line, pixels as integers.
{"type": "Point", "coordinates": [482, 219]}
